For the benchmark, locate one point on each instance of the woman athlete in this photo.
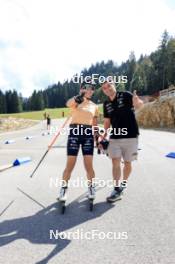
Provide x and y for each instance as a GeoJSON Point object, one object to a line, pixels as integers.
{"type": "Point", "coordinates": [84, 115]}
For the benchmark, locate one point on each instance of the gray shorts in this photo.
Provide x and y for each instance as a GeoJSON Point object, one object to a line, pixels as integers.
{"type": "Point", "coordinates": [126, 148]}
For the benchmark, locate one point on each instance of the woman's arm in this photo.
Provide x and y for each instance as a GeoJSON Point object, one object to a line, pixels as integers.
{"type": "Point", "coordinates": [95, 121]}
{"type": "Point", "coordinates": [71, 103]}
{"type": "Point", "coordinates": [78, 99]}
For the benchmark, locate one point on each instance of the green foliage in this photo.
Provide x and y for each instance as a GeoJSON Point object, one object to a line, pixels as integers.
{"type": "Point", "coordinates": [2, 103]}
{"type": "Point", "coordinates": [10, 102]}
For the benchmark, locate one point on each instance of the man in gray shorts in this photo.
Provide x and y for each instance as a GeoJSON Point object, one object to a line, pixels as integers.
{"type": "Point", "coordinates": [123, 143]}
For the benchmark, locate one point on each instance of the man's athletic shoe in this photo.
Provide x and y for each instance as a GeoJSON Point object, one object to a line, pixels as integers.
{"type": "Point", "coordinates": [115, 195]}
{"type": "Point", "coordinates": [63, 196]}
{"type": "Point", "coordinates": [91, 192]}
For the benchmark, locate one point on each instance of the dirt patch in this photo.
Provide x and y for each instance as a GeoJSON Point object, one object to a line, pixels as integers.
{"type": "Point", "coordinates": [158, 114]}
{"type": "Point", "coordinates": [12, 124]}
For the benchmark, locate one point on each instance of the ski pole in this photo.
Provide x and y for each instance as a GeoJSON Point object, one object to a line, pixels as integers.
{"type": "Point", "coordinates": [50, 145]}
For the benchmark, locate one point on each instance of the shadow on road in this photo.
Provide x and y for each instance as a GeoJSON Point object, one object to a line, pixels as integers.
{"type": "Point", "coordinates": [36, 228]}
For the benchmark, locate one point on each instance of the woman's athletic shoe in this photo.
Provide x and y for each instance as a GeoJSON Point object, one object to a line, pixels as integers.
{"type": "Point", "coordinates": [63, 196]}
{"type": "Point", "coordinates": [91, 192]}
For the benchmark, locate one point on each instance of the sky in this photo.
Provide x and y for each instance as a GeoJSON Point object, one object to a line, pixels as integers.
{"type": "Point", "coordinates": [46, 41]}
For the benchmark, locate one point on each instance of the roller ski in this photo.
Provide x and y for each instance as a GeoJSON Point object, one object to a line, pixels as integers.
{"type": "Point", "coordinates": [91, 197]}
{"type": "Point", "coordinates": [62, 199]}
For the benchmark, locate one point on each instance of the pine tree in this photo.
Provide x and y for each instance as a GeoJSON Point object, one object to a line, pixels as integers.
{"type": "Point", "coordinates": [2, 103]}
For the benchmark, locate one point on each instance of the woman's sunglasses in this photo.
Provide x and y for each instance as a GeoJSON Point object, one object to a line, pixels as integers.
{"type": "Point", "coordinates": [88, 87]}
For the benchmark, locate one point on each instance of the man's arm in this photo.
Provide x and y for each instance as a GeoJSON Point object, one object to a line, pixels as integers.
{"type": "Point", "coordinates": [137, 102]}
{"type": "Point", "coordinates": [107, 124]}
{"type": "Point", "coordinates": [102, 141]}
{"type": "Point", "coordinates": [107, 120]}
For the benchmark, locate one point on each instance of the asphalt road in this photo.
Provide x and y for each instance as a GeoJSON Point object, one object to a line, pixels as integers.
{"type": "Point", "coordinates": [143, 222]}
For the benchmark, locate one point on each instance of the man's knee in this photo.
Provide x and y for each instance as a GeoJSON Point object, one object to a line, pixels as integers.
{"type": "Point", "coordinates": [128, 164]}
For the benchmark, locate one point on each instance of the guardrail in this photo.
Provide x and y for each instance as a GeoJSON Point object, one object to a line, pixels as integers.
{"type": "Point", "coordinates": [168, 92]}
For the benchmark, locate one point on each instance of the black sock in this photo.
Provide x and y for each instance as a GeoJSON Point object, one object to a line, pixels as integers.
{"type": "Point", "coordinates": [116, 188]}
{"type": "Point", "coordinates": [65, 186]}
